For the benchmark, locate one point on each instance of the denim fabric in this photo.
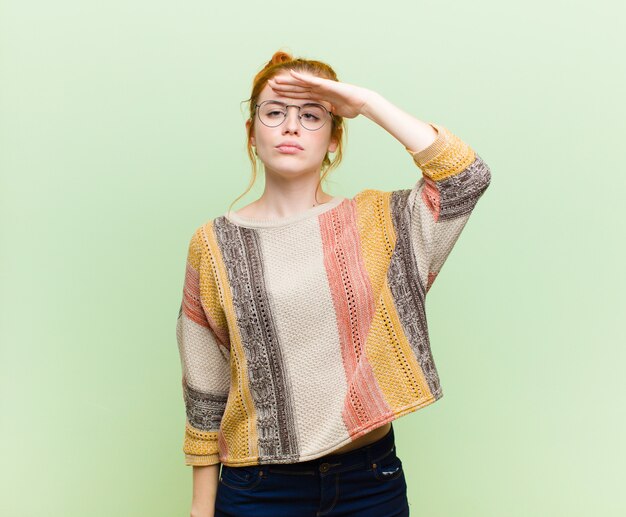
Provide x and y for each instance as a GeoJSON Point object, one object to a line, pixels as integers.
{"type": "Point", "coordinates": [365, 482]}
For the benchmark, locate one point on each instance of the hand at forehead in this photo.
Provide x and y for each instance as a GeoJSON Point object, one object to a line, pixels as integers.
{"type": "Point", "coordinates": [301, 93]}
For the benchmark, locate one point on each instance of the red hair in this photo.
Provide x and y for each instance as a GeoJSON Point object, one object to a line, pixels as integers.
{"type": "Point", "coordinates": [284, 61]}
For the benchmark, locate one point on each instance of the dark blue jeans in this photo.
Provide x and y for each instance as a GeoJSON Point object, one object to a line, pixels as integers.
{"type": "Point", "coordinates": [365, 482]}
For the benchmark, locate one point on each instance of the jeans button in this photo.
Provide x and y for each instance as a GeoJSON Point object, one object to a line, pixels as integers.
{"type": "Point", "coordinates": [324, 467]}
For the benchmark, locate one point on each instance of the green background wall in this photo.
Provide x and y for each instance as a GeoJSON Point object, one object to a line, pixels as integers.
{"type": "Point", "coordinates": [122, 130]}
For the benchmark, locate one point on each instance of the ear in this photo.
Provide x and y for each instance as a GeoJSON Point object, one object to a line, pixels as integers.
{"type": "Point", "coordinates": [332, 147]}
{"type": "Point", "coordinates": [248, 124]}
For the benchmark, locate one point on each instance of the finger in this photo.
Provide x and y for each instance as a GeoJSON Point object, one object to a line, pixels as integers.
{"type": "Point", "coordinates": [291, 88]}
{"type": "Point", "coordinates": [305, 77]}
{"type": "Point", "coordinates": [296, 95]}
{"type": "Point", "coordinates": [288, 80]}
{"type": "Point", "coordinates": [283, 82]}
{"type": "Point", "coordinates": [291, 80]}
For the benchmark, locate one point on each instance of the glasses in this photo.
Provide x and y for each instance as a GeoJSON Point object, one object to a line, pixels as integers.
{"type": "Point", "coordinates": [312, 116]}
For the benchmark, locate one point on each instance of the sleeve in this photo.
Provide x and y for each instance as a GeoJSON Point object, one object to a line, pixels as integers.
{"type": "Point", "coordinates": [453, 178]}
{"type": "Point", "coordinates": [204, 356]}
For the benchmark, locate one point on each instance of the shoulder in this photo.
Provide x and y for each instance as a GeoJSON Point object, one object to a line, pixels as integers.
{"type": "Point", "coordinates": [381, 210]}
{"type": "Point", "coordinates": [367, 195]}
{"type": "Point", "coordinates": [376, 199]}
{"type": "Point", "coordinates": [200, 241]}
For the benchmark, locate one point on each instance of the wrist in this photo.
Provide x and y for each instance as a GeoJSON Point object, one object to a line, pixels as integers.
{"type": "Point", "coordinates": [372, 104]}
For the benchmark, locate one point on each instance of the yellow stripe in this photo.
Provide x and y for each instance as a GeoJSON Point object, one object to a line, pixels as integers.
{"type": "Point", "coordinates": [239, 419]}
{"type": "Point", "coordinates": [374, 228]}
{"type": "Point", "coordinates": [198, 442]}
{"type": "Point", "coordinates": [388, 350]}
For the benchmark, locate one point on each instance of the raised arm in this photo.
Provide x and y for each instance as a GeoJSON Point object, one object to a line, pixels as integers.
{"type": "Point", "coordinates": [408, 130]}
{"type": "Point", "coordinates": [453, 178]}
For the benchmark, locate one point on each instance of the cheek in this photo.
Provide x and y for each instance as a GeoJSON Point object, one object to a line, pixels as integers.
{"type": "Point", "coordinates": [324, 143]}
{"type": "Point", "coordinates": [321, 138]}
{"type": "Point", "coordinates": [261, 137]}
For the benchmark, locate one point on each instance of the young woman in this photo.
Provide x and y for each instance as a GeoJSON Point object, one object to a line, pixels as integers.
{"type": "Point", "coordinates": [302, 330]}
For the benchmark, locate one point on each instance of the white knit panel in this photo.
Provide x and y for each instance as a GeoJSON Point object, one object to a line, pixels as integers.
{"type": "Point", "coordinates": [205, 363]}
{"type": "Point", "coordinates": [305, 320]}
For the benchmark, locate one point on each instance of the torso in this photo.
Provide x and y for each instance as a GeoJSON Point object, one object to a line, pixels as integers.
{"type": "Point", "coordinates": [361, 441]}
{"type": "Point", "coordinates": [366, 439]}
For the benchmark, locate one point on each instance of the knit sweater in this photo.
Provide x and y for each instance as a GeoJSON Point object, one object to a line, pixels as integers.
{"type": "Point", "coordinates": [300, 334]}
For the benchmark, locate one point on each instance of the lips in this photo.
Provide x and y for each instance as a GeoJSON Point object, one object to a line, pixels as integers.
{"type": "Point", "coordinates": [290, 144]}
{"type": "Point", "coordinates": [288, 149]}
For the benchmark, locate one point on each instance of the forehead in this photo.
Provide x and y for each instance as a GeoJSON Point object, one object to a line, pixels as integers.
{"type": "Point", "coordinates": [267, 93]}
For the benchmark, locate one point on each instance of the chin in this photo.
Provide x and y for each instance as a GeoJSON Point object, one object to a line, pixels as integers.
{"type": "Point", "coordinates": [290, 170]}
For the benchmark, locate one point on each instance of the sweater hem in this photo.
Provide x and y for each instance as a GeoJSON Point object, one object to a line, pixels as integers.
{"type": "Point", "coordinates": [250, 461]}
{"type": "Point", "coordinates": [196, 460]}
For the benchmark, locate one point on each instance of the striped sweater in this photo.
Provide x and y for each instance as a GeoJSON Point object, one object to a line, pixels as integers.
{"type": "Point", "coordinates": [298, 335]}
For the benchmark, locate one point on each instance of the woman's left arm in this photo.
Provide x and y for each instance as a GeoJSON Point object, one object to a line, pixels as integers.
{"type": "Point", "coordinates": [411, 132]}
{"type": "Point", "coordinates": [454, 178]}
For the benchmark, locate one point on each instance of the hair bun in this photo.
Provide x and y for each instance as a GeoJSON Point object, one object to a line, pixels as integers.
{"type": "Point", "coordinates": [280, 57]}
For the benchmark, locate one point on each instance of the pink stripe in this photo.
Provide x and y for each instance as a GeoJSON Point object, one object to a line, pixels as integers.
{"type": "Point", "coordinates": [194, 310]}
{"type": "Point", "coordinates": [222, 445]}
{"type": "Point", "coordinates": [431, 278]}
{"type": "Point", "coordinates": [192, 305]}
{"type": "Point", "coordinates": [431, 197]}
{"type": "Point", "coordinates": [354, 303]}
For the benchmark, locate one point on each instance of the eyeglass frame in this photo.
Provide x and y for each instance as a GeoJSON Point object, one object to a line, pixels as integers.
{"type": "Point", "coordinates": [256, 106]}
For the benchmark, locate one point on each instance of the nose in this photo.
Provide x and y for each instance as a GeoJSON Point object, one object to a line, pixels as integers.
{"type": "Point", "coordinates": [292, 120]}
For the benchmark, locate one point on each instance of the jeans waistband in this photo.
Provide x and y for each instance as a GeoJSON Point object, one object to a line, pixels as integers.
{"type": "Point", "coordinates": [356, 458]}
